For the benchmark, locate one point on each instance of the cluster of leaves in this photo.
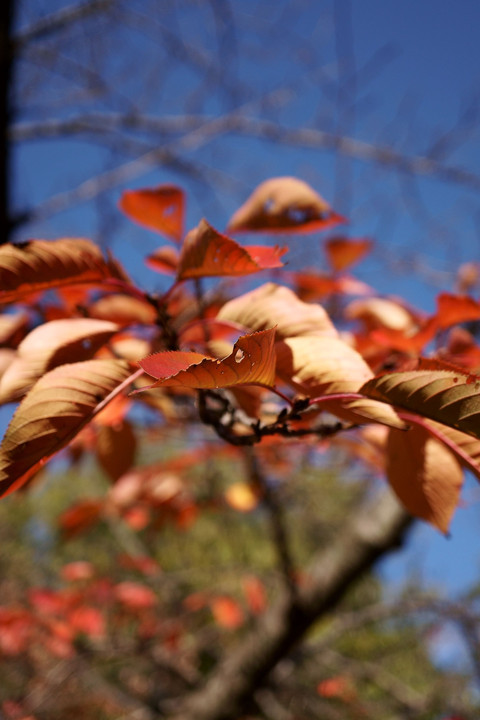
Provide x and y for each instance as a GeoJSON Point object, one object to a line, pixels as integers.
{"type": "Point", "coordinates": [267, 368]}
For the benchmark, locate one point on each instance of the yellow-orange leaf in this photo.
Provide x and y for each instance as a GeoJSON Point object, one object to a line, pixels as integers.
{"type": "Point", "coordinates": [424, 474]}
{"type": "Point", "coordinates": [344, 252]}
{"type": "Point", "coordinates": [284, 204]}
{"type": "Point", "coordinates": [241, 496]}
{"type": "Point", "coordinates": [252, 361]}
{"type": "Point", "coordinates": [208, 253]}
{"type": "Point", "coordinates": [448, 396]}
{"type": "Point", "coordinates": [53, 412]}
{"type": "Point", "coordinates": [123, 310]}
{"type": "Point", "coordinates": [272, 304]}
{"type": "Point", "coordinates": [161, 209]}
{"type": "Point", "coordinates": [54, 343]}
{"type": "Point", "coordinates": [381, 313]}
{"type": "Point", "coordinates": [41, 265]}
{"type": "Point", "coordinates": [321, 366]}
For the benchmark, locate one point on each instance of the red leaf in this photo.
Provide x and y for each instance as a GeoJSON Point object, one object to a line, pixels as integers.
{"type": "Point", "coordinates": [208, 253]}
{"type": "Point", "coordinates": [135, 596]}
{"type": "Point", "coordinates": [343, 252]}
{"type": "Point", "coordinates": [454, 309]}
{"type": "Point", "coordinates": [227, 612]}
{"type": "Point", "coordinates": [252, 361]}
{"type": "Point", "coordinates": [164, 260]}
{"type": "Point", "coordinates": [284, 204]}
{"type": "Point", "coordinates": [161, 209]}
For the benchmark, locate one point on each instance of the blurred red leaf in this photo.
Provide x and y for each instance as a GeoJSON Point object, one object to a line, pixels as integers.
{"type": "Point", "coordinates": [134, 596]}
{"type": "Point", "coordinates": [164, 260]}
{"type": "Point", "coordinates": [161, 209]}
{"type": "Point", "coordinates": [344, 252]}
{"type": "Point", "coordinates": [227, 612]}
{"type": "Point", "coordinates": [454, 309]}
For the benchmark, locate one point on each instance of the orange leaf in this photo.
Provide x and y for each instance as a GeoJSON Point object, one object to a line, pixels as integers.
{"type": "Point", "coordinates": [164, 260]}
{"type": "Point", "coordinates": [453, 309]}
{"type": "Point", "coordinates": [53, 412]}
{"type": "Point", "coordinates": [123, 310]}
{"type": "Point", "coordinates": [272, 304]}
{"type": "Point", "coordinates": [255, 594]}
{"type": "Point", "coordinates": [80, 517]}
{"type": "Point", "coordinates": [161, 209]}
{"type": "Point", "coordinates": [49, 345]}
{"type": "Point", "coordinates": [284, 204]}
{"type": "Point", "coordinates": [252, 361]}
{"type": "Point", "coordinates": [227, 612]}
{"type": "Point", "coordinates": [41, 265]}
{"type": "Point", "coordinates": [424, 474]}
{"type": "Point", "coordinates": [322, 366]}
{"type": "Point", "coordinates": [343, 252]}
{"type": "Point", "coordinates": [208, 253]}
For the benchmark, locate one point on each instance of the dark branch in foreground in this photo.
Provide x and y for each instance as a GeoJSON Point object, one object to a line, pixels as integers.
{"type": "Point", "coordinates": [374, 531]}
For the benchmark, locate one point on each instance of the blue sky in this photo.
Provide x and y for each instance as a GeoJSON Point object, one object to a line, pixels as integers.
{"type": "Point", "coordinates": [409, 70]}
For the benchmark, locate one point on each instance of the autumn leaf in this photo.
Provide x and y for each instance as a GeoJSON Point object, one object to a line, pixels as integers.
{"type": "Point", "coordinates": [377, 312]}
{"type": "Point", "coordinates": [123, 310]}
{"type": "Point", "coordinates": [161, 209]}
{"type": "Point", "coordinates": [164, 260]}
{"type": "Point", "coordinates": [284, 204]}
{"type": "Point", "coordinates": [208, 253]}
{"type": "Point", "coordinates": [134, 596]}
{"type": "Point", "coordinates": [227, 612]}
{"type": "Point", "coordinates": [344, 252]}
{"type": "Point", "coordinates": [252, 361]}
{"type": "Point", "coordinates": [454, 309]}
{"type": "Point", "coordinates": [424, 474]}
{"type": "Point", "coordinates": [321, 366]}
{"type": "Point", "coordinates": [115, 448]}
{"type": "Point", "coordinates": [40, 265]}
{"type": "Point", "coordinates": [241, 496]}
{"type": "Point", "coordinates": [12, 328]}
{"type": "Point", "coordinates": [53, 412]}
{"type": "Point", "coordinates": [448, 396]}
{"type": "Point", "coordinates": [272, 304]}
{"type": "Point", "coordinates": [49, 345]}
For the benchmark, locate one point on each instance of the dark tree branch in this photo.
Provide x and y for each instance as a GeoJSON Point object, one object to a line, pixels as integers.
{"type": "Point", "coordinates": [373, 531]}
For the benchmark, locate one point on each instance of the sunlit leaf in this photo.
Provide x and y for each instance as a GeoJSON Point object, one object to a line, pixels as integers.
{"type": "Point", "coordinates": [272, 304]}
{"type": "Point", "coordinates": [241, 496]}
{"type": "Point", "coordinates": [123, 310]}
{"type": "Point", "coordinates": [344, 252]}
{"type": "Point", "coordinates": [161, 209]}
{"type": "Point", "coordinates": [449, 396]}
{"type": "Point", "coordinates": [284, 204]}
{"type": "Point", "coordinates": [424, 474]}
{"type": "Point", "coordinates": [52, 413]}
{"type": "Point", "coordinates": [41, 265]}
{"type": "Point", "coordinates": [381, 313]}
{"type": "Point", "coordinates": [49, 345]}
{"type": "Point", "coordinates": [321, 366]}
{"type": "Point", "coordinates": [252, 361]}
{"type": "Point", "coordinates": [164, 260]}
{"type": "Point", "coordinates": [12, 328]}
{"type": "Point", "coordinates": [453, 309]}
{"type": "Point", "coordinates": [208, 253]}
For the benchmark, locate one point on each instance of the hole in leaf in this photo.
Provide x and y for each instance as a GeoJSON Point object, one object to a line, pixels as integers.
{"type": "Point", "coordinates": [239, 355]}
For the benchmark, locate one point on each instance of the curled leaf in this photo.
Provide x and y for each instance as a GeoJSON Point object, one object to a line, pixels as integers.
{"type": "Point", "coordinates": [424, 474]}
{"type": "Point", "coordinates": [284, 204]}
{"type": "Point", "coordinates": [41, 265]}
{"type": "Point", "coordinates": [208, 253]}
{"type": "Point", "coordinates": [54, 343]}
{"type": "Point", "coordinates": [252, 361]}
{"type": "Point", "coordinates": [164, 260]}
{"type": "Point", "coordinates": [449, 396]}
{"type": "Point", "coordinates": [53, 412]}
{"type": "Point", "coordinates": [453, 309]}
{"type": "Point", "coordinates": [321, 366]}
{"type": "Point", "coordinates": [161, 209]}
{"type": "Point", "coordinates": [272, 304]}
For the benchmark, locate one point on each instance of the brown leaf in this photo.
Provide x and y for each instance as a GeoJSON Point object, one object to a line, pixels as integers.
{"type": "Point", "coordinates": [284, 204]}
{"type": "Point", "coordinates": [318, 366]}
{"type": "Point", "coordinates": [12, 328]}
{"type": "Point", "coordinates": [252, 361]}
{"type": "Point", "coordinates": [344, 252]}
{"type": "Point", "coordinates": [115, 448]}
{"type": "Point", "coordinates": [49, 345]}
{"type": "Point", "coordinates": [53, 412]}
{"type": "Point", "coordinates": [424, 474]}
{"type": "Point", "coordinates": [449, 396]}
{"type": "Point", "coordinates": [208, 253]}
{"type": "Point", "coordinates": [161, 209]}
{"type": "Point", "coordinates": [41, 265]}
{"type": "Point", "coordinates": [272, 304]}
